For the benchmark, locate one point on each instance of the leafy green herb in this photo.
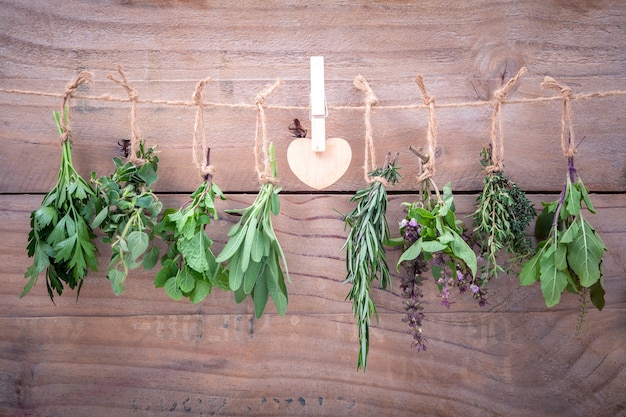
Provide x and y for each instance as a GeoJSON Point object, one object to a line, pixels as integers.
{"type": "Point", "coordinates": [253, 252]}
{"type": "Point", "coordinates": [500, 220]}
{"type": "Point", "coordinates": [61, 240]}
{"type": "Point", "coordinates": [432, 236]}
{"type": "Point", "coordinates": [365, 252]}
{"type": "Point", "coordinates": [570, 258]}
{"type": "Point", "coordinates": [126, 210]}
{"type": "Point", "coordinates": [189, 267]}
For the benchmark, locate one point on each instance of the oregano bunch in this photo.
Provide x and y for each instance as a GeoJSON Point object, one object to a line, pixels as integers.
{"type": "Point", "coordinates": [253, 254]}
{"type": "Point", "coordinates": [127, 213]}
{"type": "Point", "coordinates": [61, 240]}
{"type": "Point", "coordinates": [189, 268]}
{"type": "Point", "coordinates": [365, 251]}
{"type": "Point", "coordinates": [503, 212]}
{"type": "Point", "coordinates": [570, 256]}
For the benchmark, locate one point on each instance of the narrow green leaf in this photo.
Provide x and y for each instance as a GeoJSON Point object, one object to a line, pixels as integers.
{"type": "Point", "coordinates": [248, 242]}
{"type": "Point", "coordinates": [260, 296]}
{"type": "Point", "coordinates": [232, 245]}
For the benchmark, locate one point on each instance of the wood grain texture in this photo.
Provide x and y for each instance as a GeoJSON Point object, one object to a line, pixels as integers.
{"type": "Point", "coordinates": [464, 50]}
{"type": "Point", "coordinates": [142, 354]}
{"type": "Point", "coordinates": [154, 356]}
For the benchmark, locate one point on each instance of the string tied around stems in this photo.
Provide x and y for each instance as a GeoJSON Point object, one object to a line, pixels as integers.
{"type": "Point", "coordinates": [201, 163]}
{"type": "Point", "coordinates": [428, 168]}
{"type": "Point", "coordinates": [261, 143]}
{"type": "Point", "coordinates": [133, 97]}
{"type": "Point", "coordinates": [567, 129]}
{"type": "Point", "coordinates": [71, 87]}
{"type": "Point", "coordinates": [369, 163]}
{"type": "Point", "coordinates": [497, 133]}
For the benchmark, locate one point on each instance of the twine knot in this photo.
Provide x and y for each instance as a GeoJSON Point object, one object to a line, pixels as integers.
{"type": "Point", "coordinates": [567, 129]}
{"type": "Point", "coordinates": [263, 163]}
{"type": "Point", "coordinates": [428, 168]}
{"type": "Point", "coordinates": [71, 87]}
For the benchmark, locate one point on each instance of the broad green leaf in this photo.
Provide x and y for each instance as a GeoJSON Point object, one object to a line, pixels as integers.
{"type": "Point", "coordinates": [461, 250]}
{"type": "Point", "coordinates": [147, 174]}
{"type": "Point", "coordinates": [433, 246]}
{"type": "Point", "coordinates": [530, 271]}
{"type": "Point", "coordinates": [410, 253]}
{"type": "Point", "coordinates": [117, 279]}
{"type": "Point", "coordinates": [571, 204]}
{"type": "Point", "coordinates": [220, 279]}
{"type": "Point", "coordinates": [570, 233]}
{"type": "Point", "coordinates": [144, 201]}
{"type": "Point", "coordinates": [185, 280]}
{"type": "Point", "coordinates": [195, 250]}
{"type": "Point", "coordinates": [137, 243]}
{"type": "Point", "coordinates": [585, 253]}
{"type": "Point", "coordinates": [200, 292]}
{"type": "Point", "coordinates": [151, 258]}
{"type": "Point", "coordinates": [560, 257]}
{"type": "Point", "coordinates": [597, 293]}
{"type": "Point", "coordinates": [553, 281]}
{"type": "Point", "coordinates": [45, 216]}
{"type": "Point", "coordinates": [172, 290]}
{"type": "Point", "coordinates": [168, 270]}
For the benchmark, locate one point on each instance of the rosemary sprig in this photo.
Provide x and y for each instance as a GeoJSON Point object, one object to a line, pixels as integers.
{"type": "Point", "coordinates": [365, 251]}
{"type": "Point", "coordinates": [500, 220]}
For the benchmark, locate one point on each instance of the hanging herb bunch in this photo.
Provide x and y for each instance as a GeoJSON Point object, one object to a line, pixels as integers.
{"type": "Point", "coordinates": [432, 238]}
{"type": "Point", "coordinates": [189, 268]}
{"type": "Point", "coordinates": [569, 255]}
{"type": "Point", "coordinates": [365, 251]}
{"type": "Point", "coordinates": [61, 240]}
{"type": "Point", "coordinates": [127, 209]}
{"type": "Point", "coordinates": [503, 211]}
{"type": "Point", "coordinates": [127, 213]}
{"type": "Point", "coordinates": [253, 254]}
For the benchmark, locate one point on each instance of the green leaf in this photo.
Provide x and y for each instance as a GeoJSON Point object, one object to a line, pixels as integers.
{"type": "Point", "coordinates": [251, 275]}
{"type": "Point", "coordinates": [571, 205]}
{"type": "Point", "coordinates": [45, 216]}
{"type": "Point", "coordinates": [100, 217]}
{"type": "Point", "coordinates": [530, 271]}
{"type": "Point", "coordinates": [232, 245]}
{"type": "Point", "coordinates": [275, 202]}
{"type": "Point", "coordinates": [247, 243]}
{"type": "Point", "coordinates": [185, 280]}
{"type": "Point", "coordinates": [168, 270]}
{"type": "Point", "coordinates": [137, 243]}
{"type": "Point", "coordinates": [597, 293]}
{"type": "Point", "coordinates": [64, 249]}
{"type": "Point", "coordinates": [147, 174]}
{"type": "Point", "coordinates": [585, 253]}
{"type": "Point", "coordinates": [571, 232]}
{"type": "Point", "coordinates": [553, 281]}
{"type": "Point", "coordinates": [172, 290]}
{"type": "Point", "coordinates": [259, 296]}
{"type": "Point", "coordinates": [195, 250]}
{"type": "Point", "coordinates": [411, 253]}
{"type": "Point", "coordinates": [200, 292]}
{"type": "Point", "coordinates": [117, 279]}
{"type": "Point", "coordinates": [461, 250]}
{"type": "Point", "coordinates": [560, 257]}
{"type": "Point", "coordinates": [151, 258]}
{"type": "Point", "coordinates": [433, 246]}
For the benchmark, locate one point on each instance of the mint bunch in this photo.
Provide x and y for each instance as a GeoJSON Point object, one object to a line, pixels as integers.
{"type": "Point", "coordinates": [189, 268]}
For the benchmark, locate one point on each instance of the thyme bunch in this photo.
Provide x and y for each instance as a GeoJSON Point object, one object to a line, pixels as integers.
{"type": "Point", "coordinates": [500, 220]}
{"type": "Point", "coordinates": [365, 251]}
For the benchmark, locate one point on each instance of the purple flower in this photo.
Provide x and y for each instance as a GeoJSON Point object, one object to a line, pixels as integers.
{"type": "Point", "coordinates": [403, 223]}
{"type": "Point", "coordinates": [475, 288]}
{"type": "Point", "coordinates": [459, 275]}
{"type": "Point", "coordinates": [413, 223]}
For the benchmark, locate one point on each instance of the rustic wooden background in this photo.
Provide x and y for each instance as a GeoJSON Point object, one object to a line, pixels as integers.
{"type": "Point", "coordinates": [142, 354]}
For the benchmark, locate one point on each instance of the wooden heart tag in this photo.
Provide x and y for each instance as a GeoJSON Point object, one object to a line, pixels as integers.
{"type": "Point", "coordinates": [319, 169]}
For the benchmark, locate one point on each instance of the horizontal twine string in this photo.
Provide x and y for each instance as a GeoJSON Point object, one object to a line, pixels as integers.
{"type": "Point", "coordinates": [189, 103]}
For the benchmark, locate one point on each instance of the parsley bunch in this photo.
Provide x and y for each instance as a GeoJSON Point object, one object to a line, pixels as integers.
{"type": "Point", "coordinates": [500, 220]}
{"type": "Point", "coordinates": [61, 240]}
{"type": "Point", "coordinates": [253, 253]}
{"type": "Point", "coordinates": [189, 267]}
{"type": "Point", "coordinates": [570, 257]}
{"type": "Point", "coordinates": [365, 252]}
{"type": "Point", "coordinates": [127, 214]}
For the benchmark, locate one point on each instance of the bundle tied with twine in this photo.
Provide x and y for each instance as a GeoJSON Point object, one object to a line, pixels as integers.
{"type": "Point", "coordinates": [567, 129]}
{"type": "Point", "coordinates": [133, 97]}
{"type": "Point", "coordinates": [369, 163]}
{"type": "Point", "coordinates": [261, 143]}
{"type": "Point", "coordinates": [497, 133]}
{"type": "Point", "coordinates": [428, 168]}
{"type": "Point", "coordinates": [71, 87]}
{"type": "Point", "coordinates": [202, 163]}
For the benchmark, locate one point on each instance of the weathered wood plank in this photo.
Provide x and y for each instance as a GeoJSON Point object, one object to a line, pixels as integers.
{"type": "Point", "coordinates": [167, 47]}
{"type": "Point", "coordinates": [482, 365]}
